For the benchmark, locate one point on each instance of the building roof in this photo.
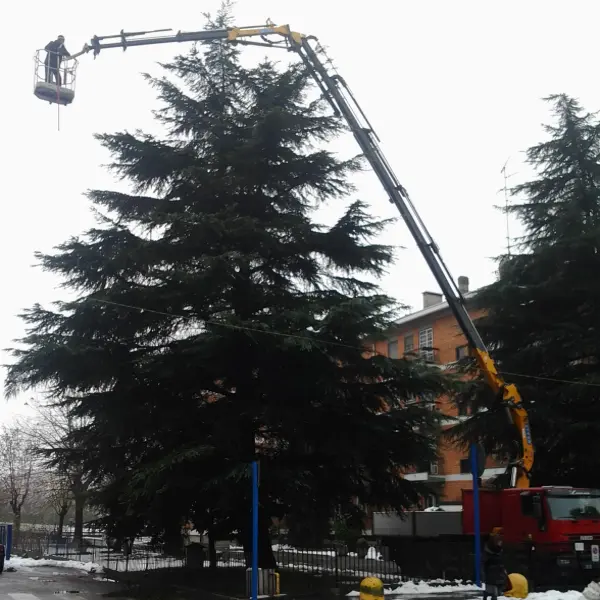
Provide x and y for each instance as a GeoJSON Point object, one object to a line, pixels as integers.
{"type": "Point", "coordinates": [430, 310]}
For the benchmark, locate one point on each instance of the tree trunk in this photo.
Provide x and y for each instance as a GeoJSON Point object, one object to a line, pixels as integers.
{"type": "Point", "coordinates": [16, 528]}
{"type": "Point", "coordinates": [266, 558]}
{"type": "Point", "coordinates": [212, 549]}
{"type": "Point", "coordinates": [61, 521]}
{"type": "Point", "coordinates": [79, 506]}
{"type": "Point", "coordinates": [173, 540]}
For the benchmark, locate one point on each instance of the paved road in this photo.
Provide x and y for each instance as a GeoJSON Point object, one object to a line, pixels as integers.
{"type": "Point", "coordinates": [45, 583]}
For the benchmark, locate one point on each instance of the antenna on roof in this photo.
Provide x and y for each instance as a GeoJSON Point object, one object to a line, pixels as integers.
{"type": "Point", "coordinates": [505, 189]}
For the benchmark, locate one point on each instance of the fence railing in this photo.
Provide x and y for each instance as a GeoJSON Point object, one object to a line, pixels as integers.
{"type": "Point", "coordinates": [141, 556]}
{"type": "Point", "coordinates": [351, 566]}
{"type": "Point", "coordinates": [546, 565]}
{"type": "Point", "coordinates": [566, 564]}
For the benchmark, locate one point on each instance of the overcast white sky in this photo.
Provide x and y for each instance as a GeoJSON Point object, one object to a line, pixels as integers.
{"type": "Point", "coordinates": [452, 87]}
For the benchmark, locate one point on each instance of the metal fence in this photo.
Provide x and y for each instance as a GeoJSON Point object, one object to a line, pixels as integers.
{"type": "Point", "coordinates": [340, 566]}
{"type": "Point", "coordinates": [568, 564]}
{"type": "Point", "coordinates": [564, 565]}
{"type": "Point", "coordinates": [95, 552]}
{"type": "Point", "coordinates": [351, 566]}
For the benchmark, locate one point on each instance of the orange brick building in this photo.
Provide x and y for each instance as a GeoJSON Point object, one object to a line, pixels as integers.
{"type": "Point", "coordinates": [433, 333]}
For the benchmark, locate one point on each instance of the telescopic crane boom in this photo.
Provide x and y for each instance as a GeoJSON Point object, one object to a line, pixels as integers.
{"type": "Point", "coordinates": [344, 104]}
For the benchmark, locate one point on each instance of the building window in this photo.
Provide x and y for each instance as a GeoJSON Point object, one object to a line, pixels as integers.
{"type": "Point", "coordinates": [393, 349]}
{"type": "Point", "coordinates": [465, 466]}
{"type": "Point", "coordinates": [426, 343]}
{"type": "Point", "coordinates": [409, 343]}
{"type": "Point", "coordinates": [462, 352]}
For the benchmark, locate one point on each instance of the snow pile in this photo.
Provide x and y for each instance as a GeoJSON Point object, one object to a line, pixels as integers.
{"type": "Point", "coordinates": [592, 591]}
{"type": "Point", "coordinates": [17, 561]}
{"type": "Point", "coordinates": [441, 587]}
{"type": "Point", "coordinates": [372, 554]}
{"type": "Point", "coordinates": [291, 549]}
{"type": "Point", "coordinates": [554, 595]}
{"type": "Point", "coordinates": [282, 548]}
{"type": "Point", "coordinates": [433, 587]}
{"type": "Point", "coordinates": [143, 564]}
{"type": "Point", "coordinates": [436, 586]}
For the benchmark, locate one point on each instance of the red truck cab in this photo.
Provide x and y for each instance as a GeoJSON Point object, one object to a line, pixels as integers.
{"type": "Point", "coordinates": [562, 523]}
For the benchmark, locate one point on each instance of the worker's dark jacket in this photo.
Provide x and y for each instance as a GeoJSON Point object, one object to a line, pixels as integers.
{"type": "Point", "coordinates": [56, 51]}
{"type": "Point", "coordinates": [494, 572]}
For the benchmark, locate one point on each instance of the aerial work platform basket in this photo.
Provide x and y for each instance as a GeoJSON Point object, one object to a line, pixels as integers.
{"type": "Point", "coordinates": [54, 84]}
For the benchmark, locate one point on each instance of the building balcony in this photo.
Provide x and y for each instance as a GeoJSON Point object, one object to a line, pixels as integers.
{"type": "Point", "coordinates": [429, 472]}
{"type": "Point", "coordinates": [425, 476]}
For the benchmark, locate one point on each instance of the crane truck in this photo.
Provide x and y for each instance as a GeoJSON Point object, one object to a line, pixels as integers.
{"type": "Point", "coordinates": [560, 524]}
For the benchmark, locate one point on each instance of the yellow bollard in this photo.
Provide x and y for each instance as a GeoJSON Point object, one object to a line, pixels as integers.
{"type": "Point", "coordinates": [277, 584]}
{"type": "Point", "coordinates": [371, 588]}
{"type": "Point", "coordinates": [519, 588]}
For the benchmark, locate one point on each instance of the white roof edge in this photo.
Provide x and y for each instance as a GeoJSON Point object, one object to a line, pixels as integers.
{"type": "Point", "coordinates": [430, 310]}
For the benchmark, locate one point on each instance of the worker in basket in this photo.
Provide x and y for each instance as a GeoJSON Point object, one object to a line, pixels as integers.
{"type": "Point", "coordinates": [55, 52]}
{"type": "Point", "coordinates": [494, 572]}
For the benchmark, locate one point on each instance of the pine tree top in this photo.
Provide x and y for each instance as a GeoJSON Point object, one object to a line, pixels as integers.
{"type": "Point", "coordinates": [543, 315]}
{"type": "Point", "coordinates": [217, 319]}
{"type": "Point", "coordinates": [561, 204]}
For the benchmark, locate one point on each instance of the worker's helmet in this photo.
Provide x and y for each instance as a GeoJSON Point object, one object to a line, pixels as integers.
{"type": "Point", "coordinates": [495, 538]}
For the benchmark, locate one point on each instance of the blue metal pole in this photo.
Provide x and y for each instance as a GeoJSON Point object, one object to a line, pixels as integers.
{"type": "Point", "coordinates": [476, 519]}
{"type": "Point", "coordinates": [9, 536]}
{"type": "Point", "coordinates": [255, 530]}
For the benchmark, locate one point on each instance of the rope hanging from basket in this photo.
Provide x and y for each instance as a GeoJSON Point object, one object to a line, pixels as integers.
{"type": "Point", "coordinates": [58, 99]}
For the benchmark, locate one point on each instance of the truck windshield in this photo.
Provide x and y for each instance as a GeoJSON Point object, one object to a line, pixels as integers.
{"type": "Point", "coordinates": [574, 507]}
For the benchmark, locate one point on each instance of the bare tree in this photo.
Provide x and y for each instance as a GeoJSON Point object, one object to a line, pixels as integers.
{"type": "Point", "coordinates": [51, 434]}
{"type": "Point", "coordinates": [16, 469]}
{"type": "Point", "coordinates": [59, 497]}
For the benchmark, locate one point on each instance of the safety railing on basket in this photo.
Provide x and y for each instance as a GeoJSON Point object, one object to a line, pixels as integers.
{"type": "Point", "coordinates": [50, 70]}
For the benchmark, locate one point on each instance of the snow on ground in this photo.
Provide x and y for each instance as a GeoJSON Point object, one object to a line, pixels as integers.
{"type": "Point", "coordinates": [554, 595]}
{"type": "Point", "coordinates": [17, 561]}
{"type": "Point", "coordinates": [143, 564]}
{"type": "Point", "coordinates": [438, 586]}
{"type": "Point", "coordinates": [433, 587]}
{"type": "Point", "coordinates": [372, 554]}
{"type": "Point", "coordinates": [408, 588]}
{"type": "Point", "coordinates": [286, 548]}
